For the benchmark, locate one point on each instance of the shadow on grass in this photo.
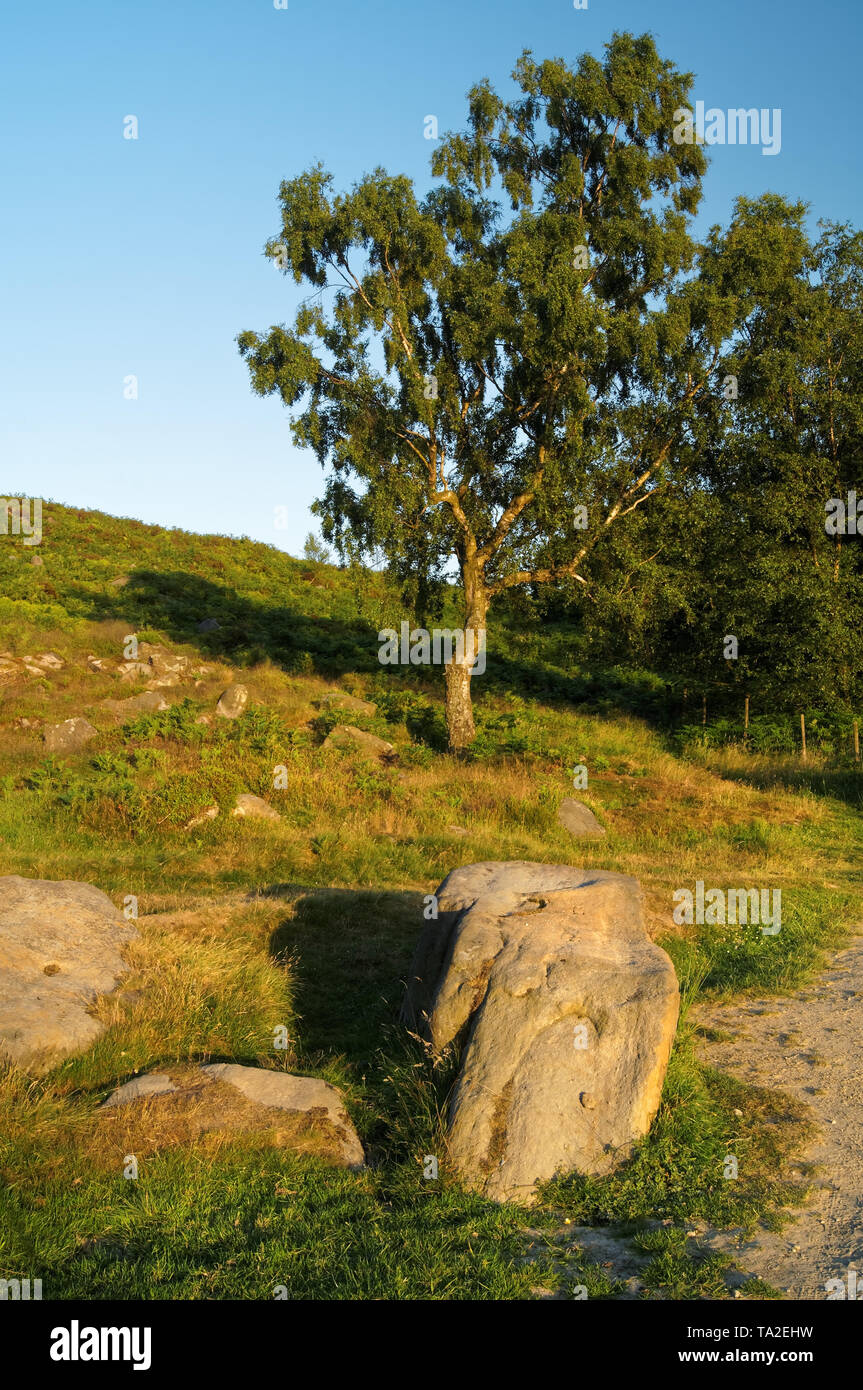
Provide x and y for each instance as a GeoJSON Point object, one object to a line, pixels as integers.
{"type": "Point", "coordinates": [176, 602]}
{"type": "Point", "coordinates": [249, 630]}
{"type": "Point", "coordinates": [350, 953]}
{"type": "Point", "coordinates": [843, 784]}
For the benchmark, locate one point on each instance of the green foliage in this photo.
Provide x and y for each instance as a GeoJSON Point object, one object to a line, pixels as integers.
{"type": "Point", "coordinates": [828, 732]}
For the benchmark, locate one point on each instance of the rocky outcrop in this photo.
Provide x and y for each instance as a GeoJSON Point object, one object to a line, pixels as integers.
{"type": "Point", "coordinates": [566, 1011]}
{"type": "Point", "coordinates": [60, 948]}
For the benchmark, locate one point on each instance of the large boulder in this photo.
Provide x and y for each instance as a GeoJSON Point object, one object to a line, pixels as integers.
{"type": "Point", "coordinates": [184, 1103]}
{"type": "Point", "coordinates": [566, 1011]}
{"type": "Point", "coordinates": [60, 948]}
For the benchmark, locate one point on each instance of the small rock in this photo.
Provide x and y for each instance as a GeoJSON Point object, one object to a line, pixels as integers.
{"type": "Point", "coordinates": [577, 818]}
{"type": "Point", "coordinates": [204, 718]}
{"type": "Point", "coordinates": [456, 829]}
{"type": "Point", "coordinates": [588, 1100]}
{"type": "Point", "coordinates": [37, 560]}
{"type": "Point", "coordinates": [248, 805]}
{"type": "Point", "coordinates": [97, 663]}
{"type": "Point", "coordinates": [232, 702]}
{"type": "Point", "coordinates": [150, 702]}
{"type": "Point", "coordinates": [69, 736]}
{"type": "Point", "coordinates": [120, 582]}
{"type": "Point", "coordinates": [209, 625]}
{"type": "Point", "coordinates": [342, 700]}
{"type": "Point", "coordinates": [346, 737]}
{"type": "Point", "coordinates": [153, 1084]}
{"type": "Point", "coordinates": [210, 814]}
{"type": "Point", "coordinates": [50, 661]}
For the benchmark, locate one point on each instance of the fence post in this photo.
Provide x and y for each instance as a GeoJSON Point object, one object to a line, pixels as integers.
{"type": "Point", "coordinates": [856, 742]}
{"type": "Point", "coordinates": [803, 736]}
{"type": "Point", "coordinates": [746, 721]}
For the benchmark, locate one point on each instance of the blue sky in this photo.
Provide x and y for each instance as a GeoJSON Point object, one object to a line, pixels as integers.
{"type": "Point", "coordinates": [144, 257]}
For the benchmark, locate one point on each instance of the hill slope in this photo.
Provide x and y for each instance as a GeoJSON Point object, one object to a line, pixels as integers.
{"type": "Point", "coordinates": [310, 921]}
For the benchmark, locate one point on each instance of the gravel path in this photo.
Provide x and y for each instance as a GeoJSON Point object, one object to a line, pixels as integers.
{"type": "Point", "coordinates": [810, 1046]}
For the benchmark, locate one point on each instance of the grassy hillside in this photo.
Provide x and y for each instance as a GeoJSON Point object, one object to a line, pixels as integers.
{"type": "Point", "coordinates": [310, 922]}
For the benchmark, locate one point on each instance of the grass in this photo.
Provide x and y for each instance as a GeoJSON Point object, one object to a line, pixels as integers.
{"type": "Point", "coordinates": [310, 923]}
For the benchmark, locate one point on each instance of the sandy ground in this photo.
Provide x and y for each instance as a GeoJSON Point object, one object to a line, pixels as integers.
{"type": "Point", "coordinates": [810, 1046]}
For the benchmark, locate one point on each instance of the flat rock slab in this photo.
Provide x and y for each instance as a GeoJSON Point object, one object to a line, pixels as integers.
{"type": "Point", "coordinates": [567, 1013]}
{"type": "Point", "coordinates": [186, 1102]}
{"type": "Point", "coordinates": [578, 819]}
{"type": "Point", "coordinates": [60, 948]}
{"type": "Point", "coordinates": [154, 1083]}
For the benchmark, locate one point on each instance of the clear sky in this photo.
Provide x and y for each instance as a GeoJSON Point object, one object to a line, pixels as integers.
{"type": "Point", "coordinates": [144, 257]}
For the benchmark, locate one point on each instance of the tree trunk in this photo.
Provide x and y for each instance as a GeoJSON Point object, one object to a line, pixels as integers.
{"type": "Point", "coordinates": [457, 673]}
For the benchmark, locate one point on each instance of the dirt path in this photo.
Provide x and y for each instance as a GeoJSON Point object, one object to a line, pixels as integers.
{"type": "Point", "coordinates": [810, 1046]}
